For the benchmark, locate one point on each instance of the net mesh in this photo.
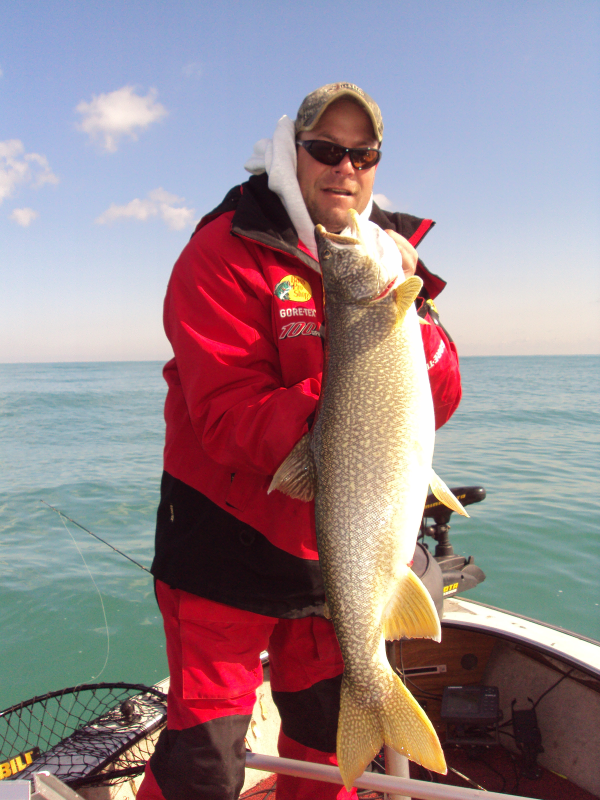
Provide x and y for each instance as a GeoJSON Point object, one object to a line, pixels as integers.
{"type": "Point", "coordinates": [91, 734]}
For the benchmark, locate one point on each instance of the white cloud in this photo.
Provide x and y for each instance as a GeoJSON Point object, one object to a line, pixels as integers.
{"type": "Point", "coordinates": [24, 216]}
{"type": "Point", "coordinates": [193, 70]}
{"type": "Point", "coordinates": [177, 218]}
{"type": "Point", "coordinates": [18, 167]}
{"type": "Point", "coordinates": [383, 202]}
{"type": "Point", "coordinates": [159, 203]}
{"type": "Point", "coordinates": [111, 116]}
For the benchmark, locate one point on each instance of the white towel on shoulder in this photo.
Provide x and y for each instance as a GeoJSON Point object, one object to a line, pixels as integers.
{"type": "Point", "coordinates": [278, 158]}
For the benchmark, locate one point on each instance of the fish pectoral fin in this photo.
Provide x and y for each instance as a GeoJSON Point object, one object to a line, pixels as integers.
{"type": "Point", "coordinates": [296, 477]}
{"type": "Point", "coordinates": [406, 295]}
{"type": "Point", "coordinates": [399, 723]}
{"type": "Point", "coordinates": [411, 611]}
{"type": "Point", "coordinates": [444, 495]}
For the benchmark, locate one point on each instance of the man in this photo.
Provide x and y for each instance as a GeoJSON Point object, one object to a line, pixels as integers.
{"type": "Point", "coordinates": [236, 569]}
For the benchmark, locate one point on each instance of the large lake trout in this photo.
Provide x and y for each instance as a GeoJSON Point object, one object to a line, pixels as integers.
{"type": "Point", "coordinates": [367, 463]}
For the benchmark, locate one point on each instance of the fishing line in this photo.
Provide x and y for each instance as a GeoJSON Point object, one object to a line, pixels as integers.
{"type": "Point", "coordinates": [94, 677]}
{"type": "Point", "coordinates": [100, 539]}
{"type": "Point", "coordinates": [95, 535]}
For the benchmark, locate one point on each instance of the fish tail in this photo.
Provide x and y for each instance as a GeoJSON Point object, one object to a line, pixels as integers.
{"type": "Point", "coordinates": [401, 724]}
{"type": "Point", "coordinates": [408, 730]}
{"type": "Point", "coordinates": [359, 736]}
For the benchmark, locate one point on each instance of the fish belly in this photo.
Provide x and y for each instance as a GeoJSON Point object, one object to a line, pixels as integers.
{"type": "Point", "coordinates": [373, 448]}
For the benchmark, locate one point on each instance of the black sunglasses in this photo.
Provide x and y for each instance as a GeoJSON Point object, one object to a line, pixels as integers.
{"type": "Point", "coordinates": [332, 154]}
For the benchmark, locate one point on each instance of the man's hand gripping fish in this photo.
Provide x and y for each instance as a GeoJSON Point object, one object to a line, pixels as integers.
{"type": "Point", "coordinates": [367, 463]}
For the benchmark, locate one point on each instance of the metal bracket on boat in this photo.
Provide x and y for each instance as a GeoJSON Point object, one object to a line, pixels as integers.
{"type": "Point", "coordinates": [49, 787]}
{"type": "Point", "coordinates": [15, 790]}
{"type": "Point", "coordinates": [46, 787]}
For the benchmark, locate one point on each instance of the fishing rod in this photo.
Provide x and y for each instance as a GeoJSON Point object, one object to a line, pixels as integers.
{"type": "Point", "coordinates": [100, 539]}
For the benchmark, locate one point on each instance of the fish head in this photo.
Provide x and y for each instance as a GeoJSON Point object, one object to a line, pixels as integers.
{"type": "Point", "coordinates": [351, 269]}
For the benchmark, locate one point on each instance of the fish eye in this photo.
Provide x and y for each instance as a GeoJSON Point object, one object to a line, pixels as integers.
{"type": "Point", "coordinates": [326, 254]}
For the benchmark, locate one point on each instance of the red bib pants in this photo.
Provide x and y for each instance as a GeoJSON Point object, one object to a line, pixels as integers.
{"type": "Point", "coordinates": [214, 664]}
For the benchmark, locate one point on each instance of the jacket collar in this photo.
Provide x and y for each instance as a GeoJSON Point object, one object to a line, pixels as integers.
{"type": "Point", "coordinates": [259, 215]}
{"type": "Point", "coordinates": [414, 229]}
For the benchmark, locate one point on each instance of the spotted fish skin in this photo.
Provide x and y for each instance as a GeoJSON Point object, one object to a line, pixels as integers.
{"type": "Point", "coordinates": [367, 462]}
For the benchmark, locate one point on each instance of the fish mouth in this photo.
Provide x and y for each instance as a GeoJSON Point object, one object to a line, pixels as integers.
{"type": "Point", "coordinates": [344, 239]}
{"type": "Point", "coordinates": [354, 237]}
{"type": "Point", "coordinates": [336, 238]}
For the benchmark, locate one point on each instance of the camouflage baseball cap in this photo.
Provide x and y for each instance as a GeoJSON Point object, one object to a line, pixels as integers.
{"type": "Point", "coordinates": [316, 102]}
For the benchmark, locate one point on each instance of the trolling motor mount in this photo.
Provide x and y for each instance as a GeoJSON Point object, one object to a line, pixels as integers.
{"type": "Point", "coordinates": [459, 573]}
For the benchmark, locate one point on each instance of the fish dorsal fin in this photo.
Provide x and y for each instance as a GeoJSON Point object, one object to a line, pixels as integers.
{"type": "Point", "coordinates": [444, 495]}
{"type": "Point", "coordinates": [411, 612]}
{"type": "Point", "coordinates": [406, 294]}
{"type": "Point", "coordinates": [296, 476]}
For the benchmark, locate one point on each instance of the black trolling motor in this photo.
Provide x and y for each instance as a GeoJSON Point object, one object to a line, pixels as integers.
{"type": "Point", "coordinates": [444, 573]}
{"type": "Point", "coordinates": [460, 574]}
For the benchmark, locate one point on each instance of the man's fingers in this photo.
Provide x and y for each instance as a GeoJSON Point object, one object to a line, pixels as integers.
{"type": "Point", "coordinates": [407, 251]}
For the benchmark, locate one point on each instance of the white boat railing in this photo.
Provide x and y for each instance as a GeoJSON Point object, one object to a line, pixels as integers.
{"type": "Point", "coordinates": [49, 787]}
{"type": "Point", "coordinates": [390, 784]}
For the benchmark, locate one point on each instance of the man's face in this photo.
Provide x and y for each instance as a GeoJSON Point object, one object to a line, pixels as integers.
{"type": "Point", "coordinates": [329, 192]}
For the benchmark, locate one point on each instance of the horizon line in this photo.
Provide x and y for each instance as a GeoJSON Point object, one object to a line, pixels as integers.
{"type": "Point", "coordinates": [163, 361]}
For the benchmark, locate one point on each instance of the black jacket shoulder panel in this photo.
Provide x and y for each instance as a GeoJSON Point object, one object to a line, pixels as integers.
{"type": "Point", "coordinates": [260, 213]}
{"type": "Point", "coordinates": [229, 203]}
{"type": "Point", "coordinates": [261, 216]}
{"type": "Point", "coordinates": [404, 224]}
{"type": "Point", "coordinates": [407, 225]}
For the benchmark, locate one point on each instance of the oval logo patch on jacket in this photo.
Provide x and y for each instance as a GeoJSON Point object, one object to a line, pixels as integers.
{"type": "Point", "coordinates": [293, 288]}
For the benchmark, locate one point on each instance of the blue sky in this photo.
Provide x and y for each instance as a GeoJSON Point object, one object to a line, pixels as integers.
{"type": "Point", "coordinates": [121, 123]}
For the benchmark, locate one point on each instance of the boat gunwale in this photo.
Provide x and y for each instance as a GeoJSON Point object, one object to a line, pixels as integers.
{"type": "Point", "coordinates": [482, 626]}
{"type": "Point", "coordinates": [528, 619]}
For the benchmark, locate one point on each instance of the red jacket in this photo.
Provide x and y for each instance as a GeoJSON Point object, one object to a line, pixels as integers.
{"type": "Point", "coordinates": [242, 312]}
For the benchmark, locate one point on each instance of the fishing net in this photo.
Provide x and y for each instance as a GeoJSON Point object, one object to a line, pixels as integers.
{"type": "Point", "coordinates": [86, 735]}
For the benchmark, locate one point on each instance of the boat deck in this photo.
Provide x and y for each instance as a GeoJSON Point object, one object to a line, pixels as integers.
{"type": "Point", "coordinates": [525, 659]}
